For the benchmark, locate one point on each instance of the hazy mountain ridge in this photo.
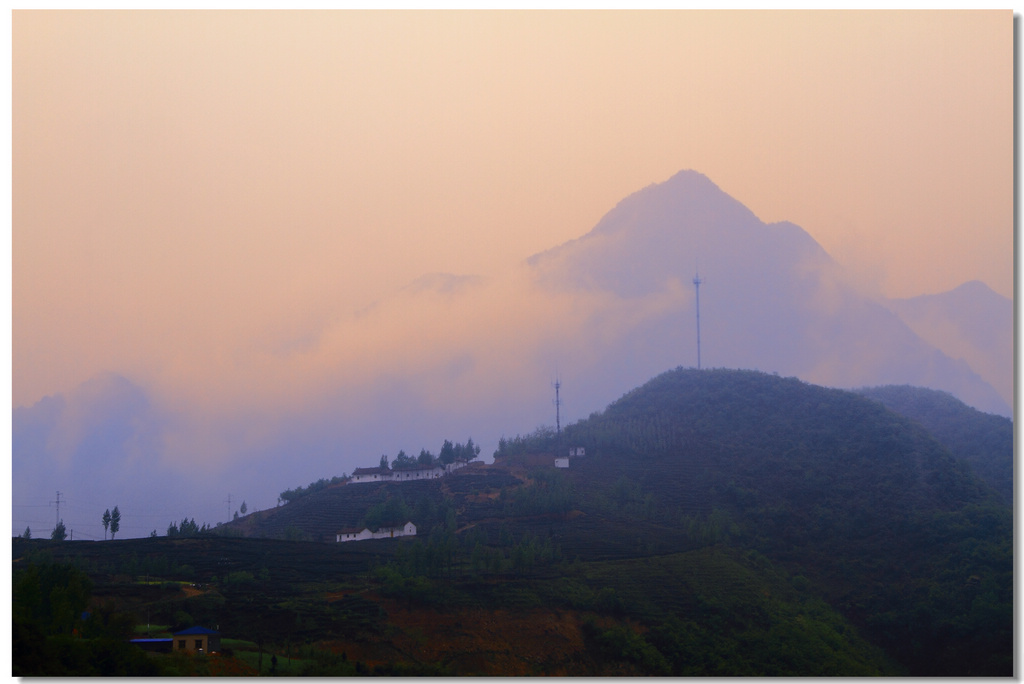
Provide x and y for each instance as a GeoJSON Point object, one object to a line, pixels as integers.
{"type": "Point", "coordinates": [455, 355]}
{"type": "Point", "coordinates": [773, 299]}
{"type": "Point", "coordinates": [970, 322]}
{"type": "Point", "coordinates": [670, 230]}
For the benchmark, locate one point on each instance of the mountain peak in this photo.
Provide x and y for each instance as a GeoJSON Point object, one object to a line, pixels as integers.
{"type": "Point", "coordinates": [974, 290]}
{"type": "Point", "coordinates": [687, 199]}
{"type": "Point", "coordinates": [661, 232]}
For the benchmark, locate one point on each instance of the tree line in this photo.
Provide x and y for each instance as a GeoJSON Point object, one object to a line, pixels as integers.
{"type": "Point", "coordinates": [450, 452]}
{"type": "Point", "coordinates": [111, 522]}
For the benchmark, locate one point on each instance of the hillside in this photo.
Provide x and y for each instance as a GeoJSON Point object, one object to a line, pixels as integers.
{"type": "Point", "coordinates": [721, 523]}
{"type": "Point", "coordinates": [983, 440]}
{"type": "Point", "coordinates": [320, 515]}
{"type": "Point", "coordinates": [881, 518]}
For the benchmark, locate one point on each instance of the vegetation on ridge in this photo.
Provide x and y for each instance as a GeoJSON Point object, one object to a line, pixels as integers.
{"type": "Point", "coordinates": [983, 440]}
{"type": "Point", "coordinates": [721, 523]}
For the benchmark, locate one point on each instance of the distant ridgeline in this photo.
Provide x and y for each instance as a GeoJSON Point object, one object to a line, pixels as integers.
{"type": "Point", "coordinates": [426, 466]}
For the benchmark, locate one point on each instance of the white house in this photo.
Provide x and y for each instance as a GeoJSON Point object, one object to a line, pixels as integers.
{"type": "Point", "coordinates": [401, 475]}
{"type": "Point", "coordinates": [356, 534]}
{"type": "Point", "coordinates": [370, 474]}
{"type": "Point", "coordinates": [562, 462]}
{"type": "Point", "coordinates": [406, 530]}
{"type": "Point", "coordinates": [417, 473]}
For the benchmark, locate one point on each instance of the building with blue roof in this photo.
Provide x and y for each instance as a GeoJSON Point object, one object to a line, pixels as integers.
{"type": "Point", "coordinates": [198, 639]}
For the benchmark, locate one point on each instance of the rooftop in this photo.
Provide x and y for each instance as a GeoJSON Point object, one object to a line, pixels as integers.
{"type": "Point", "coordinates": [195, 630]}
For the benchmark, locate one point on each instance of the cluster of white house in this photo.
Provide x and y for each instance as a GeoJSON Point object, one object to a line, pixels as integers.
{"type": "Point", "coordinates": [357, 534]}
{"type": "Point", "coordinates": [423, 472]}
{"type": "Point", "coordinates": [408, 474]}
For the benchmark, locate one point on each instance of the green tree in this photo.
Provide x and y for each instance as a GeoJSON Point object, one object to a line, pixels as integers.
{"type": "Point", "coordinates": [403, 460]}
{"type": "Point", "coordinates": [425, 458]}
{"type": "Point", "coordinates": [447, 454]}
{"type": "Point", "coordinates": [384, 462]}
{"type": "Point", "coordinates": [469, 450]}
{"type": "Point", "coordinates": [243, 509]}
{"type": "Point", "coordinates": [27, 534]}
{"type": "Point", "coordinates": [187, 528]}
{"type": "Point", "coordinates": [60, 533]}
{"type": "Point", "coordinates": [115, 522]}
{"type": "Point", "coordinates": [106, 522]}
{"type": "Point", "coordinates": [52, 596]}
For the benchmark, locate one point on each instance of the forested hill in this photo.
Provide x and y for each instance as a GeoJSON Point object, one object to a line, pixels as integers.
{"type": "Point", "coordinates": [982, 439]}
{"type": "Point", "coordinates": [808, 493]}
{"type": "Point", "coordinates": [744, 435]}
{"type": "Point", "coordinates": [885, 521]}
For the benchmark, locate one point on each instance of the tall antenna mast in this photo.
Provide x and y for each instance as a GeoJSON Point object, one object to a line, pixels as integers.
{"type": "Point", "coordinates": [58, 507]}
{"type": "Point", "coordinates": [696, 283]}
{"type": "Point", "coordinates": [558, 405]}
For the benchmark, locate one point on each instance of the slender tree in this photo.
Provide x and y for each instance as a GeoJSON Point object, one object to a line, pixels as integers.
{"type": "Point", "coordinates": [115, 522]}
{"type": "Point", "coordinates": [243, 509]}
{"type": "Point", "coordinates": [106, 522]}
{"type": "Point", "coordinates": [27, 534]}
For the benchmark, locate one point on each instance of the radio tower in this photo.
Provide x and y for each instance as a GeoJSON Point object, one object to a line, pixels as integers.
{"type": "Point", "coordinates": [58, 507]}
{"type": "Point", "coordinates": [558, 416]}
{"type": "Point", "coordinates": [696, 283]}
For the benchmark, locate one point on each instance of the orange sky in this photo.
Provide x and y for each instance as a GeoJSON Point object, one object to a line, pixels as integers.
{"type": "Point", "coordinates": [190, 188]}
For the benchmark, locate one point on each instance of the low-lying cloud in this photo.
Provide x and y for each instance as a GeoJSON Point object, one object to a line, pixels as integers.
{"type": "Point", "coordinates": [319, 392]}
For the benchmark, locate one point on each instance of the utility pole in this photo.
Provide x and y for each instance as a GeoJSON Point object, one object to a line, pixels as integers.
{"type": "Point", "coordinates": [696, 283]}
{"type": "Point", "coordinates": [229, 508]}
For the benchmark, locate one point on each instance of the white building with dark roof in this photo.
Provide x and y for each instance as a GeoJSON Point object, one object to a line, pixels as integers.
{"type": "Point", "coordinates": [358, 534]}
